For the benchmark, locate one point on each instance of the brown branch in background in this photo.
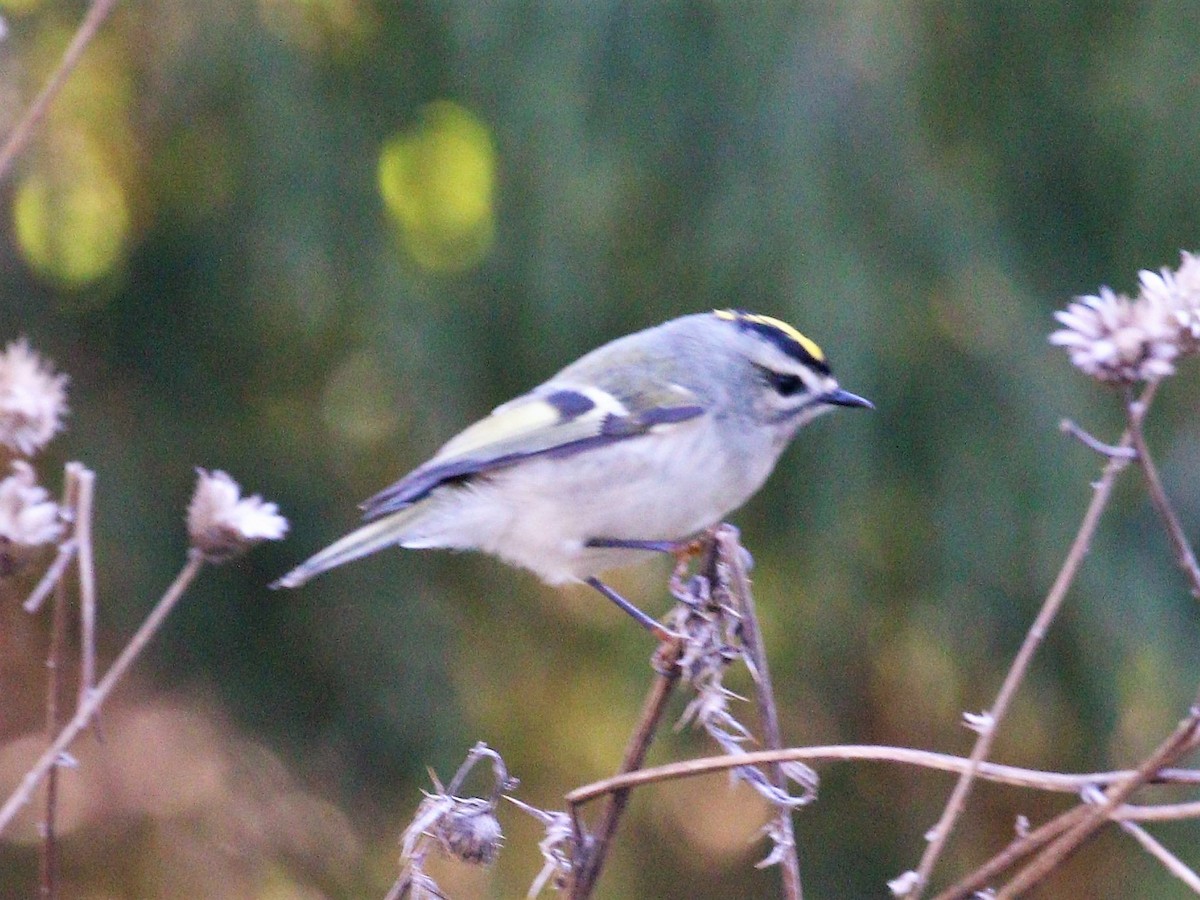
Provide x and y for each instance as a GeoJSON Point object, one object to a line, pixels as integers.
{"type": "Point", "coordinates": [54, 662]}
{"type": "Point", "coordinates": [1016, 673]}
{"type": "Point", "coordinates": [1158, 496]}
{"type": "Point", "coordinates": [24, 130]}
{"type": "Point", "coordinates": [1020, 848]}
{"type": "Point", "coordinates": [1181, 740]}
{"type": "Point", "coordinates": [1170, 861]}
{"type": "Point", "coordinates": [85, 480]}
{"type": "Point", "coordinates": [1186, 735]}
{"type": "Point", "coordinates": [729, 549]}
{"type": "Point", "coordinates": [593, 853]}
{"type": "Point", "coordinates": [94, 700]}
{"type": "Point", "coordinates": [48, 886]}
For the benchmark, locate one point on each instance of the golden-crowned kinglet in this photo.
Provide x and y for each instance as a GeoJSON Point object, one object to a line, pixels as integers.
{"type": "Point", "coordinates": [640, 443]}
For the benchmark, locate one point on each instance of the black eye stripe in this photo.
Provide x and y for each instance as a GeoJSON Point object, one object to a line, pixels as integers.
{"type": "Point", "coordinates": [783, 383]}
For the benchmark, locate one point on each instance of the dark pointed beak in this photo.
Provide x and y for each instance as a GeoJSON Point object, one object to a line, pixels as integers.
{"type": "Point", "coordinates": [845, 398]}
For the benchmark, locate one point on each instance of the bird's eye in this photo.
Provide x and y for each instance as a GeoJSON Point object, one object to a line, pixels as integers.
{"type": "Point", "coordinates": [784, 384]}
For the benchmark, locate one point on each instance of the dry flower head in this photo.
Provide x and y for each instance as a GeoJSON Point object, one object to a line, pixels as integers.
{"type": "Point", "coordinates": [222, 524]}
{"type": "Point", "coordinates": [28, 518]}
{"type": "Point", "coordinates": [33, 399]}
{"type": "Point", "coordinates": [1116, 338]}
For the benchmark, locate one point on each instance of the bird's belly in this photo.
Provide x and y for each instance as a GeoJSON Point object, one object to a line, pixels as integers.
{"type": "Point", "coordinates": [643, 489]}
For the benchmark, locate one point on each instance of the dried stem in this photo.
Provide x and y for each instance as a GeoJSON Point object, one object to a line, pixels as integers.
{"type": "Point", "coordinates": [1016, 673]}
{"type": "Point", "coordinates": [95, 699]}
{"type": "Point", "coordinates": [54, 663]}
{"type": "Point", "coordinates": [1170, 861]}
{"type": "Point", "coordinates": [48, 887]}
{"type": "Point", "coordinates": [1015, 776]}
{"type": "Point", "coordinates": [1012, 854]}
{"type": "Point", "coordinates": [1184, 737]}
{"type": "Point", "coordinates": [85, 480]}
{"type": "Point", "coordinates": [729, 549]}
{"type": "Point", "coordinates": [1093, 443]}
{"type": "Point", "coordinates": [499, 771]}
{"type": "Point", "coordinates": [1184, 556]}
{"type": "Point", "coordinates": [1180, 741]}
{"type": "Point", "coordinates": [413, 853]}
{"type": "Point", "coordinates": [24, 130]}
{"type": "Point", "coordinates": [586, 874]}
{"type": "Point", "coordinates": [66, 553]}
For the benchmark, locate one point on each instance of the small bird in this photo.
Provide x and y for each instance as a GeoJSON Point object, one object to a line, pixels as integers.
{"type": "Point", "coordinates": [634, 447]}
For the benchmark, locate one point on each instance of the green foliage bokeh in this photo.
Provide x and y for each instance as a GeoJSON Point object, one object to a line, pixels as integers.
{"type": "Point", "coordinates": [305, 242]}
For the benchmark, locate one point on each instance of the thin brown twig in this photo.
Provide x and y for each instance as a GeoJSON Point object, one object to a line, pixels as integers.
{"type": "Point", "coordinates": [1014, 776]}
{"type": "Point", "coordinates": [86, 488]}
{"type": "Point", "coordinates": [586, 875]}
{"type": "Point", "coordinates": [1184, 737]}
{"type": "Point", "coordinates": [48, 888]}
{"type": "Point", "coordinates": [1066, 426]}
{"type": "Point", "coordinates": [1025, 845]}
{"type": "Point", "coordinates": [1184, 557]}
{"type": "Point", "coordinates": [729, 549]}
{"type": "Point", "coordinates": [1016, 673]}
{"type": "Point", "coordinates": [1020, 848]}
{"type": "Point", "coordinates": [24, 130]}
{"type": "Point", "coordinates": [48, 885]}
{"type": "Point", "coordinates": [1170, 861]}
{"type": "Point", "coordinates": [1158, 812]}
{"type": "Point", "coordinates": [95, 699]}
{"type": "Point", "coordinates": [66, 553]}
{"type": "Point", "coordinates": [1180, 741]}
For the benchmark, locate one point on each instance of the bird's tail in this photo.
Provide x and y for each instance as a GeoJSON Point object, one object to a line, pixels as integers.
{"type": "Point", "coordinates": [373, 536]}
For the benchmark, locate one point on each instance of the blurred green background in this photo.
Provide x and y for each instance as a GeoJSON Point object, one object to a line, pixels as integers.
{"type": "Point", "coordinates": [306, 241]}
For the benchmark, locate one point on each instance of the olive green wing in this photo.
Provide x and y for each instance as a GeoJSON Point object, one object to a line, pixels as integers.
{"type": "Point", "coordinates": [553, 420]}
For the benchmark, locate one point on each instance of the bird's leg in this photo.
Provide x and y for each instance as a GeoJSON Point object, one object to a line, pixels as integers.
{"type": "Point", "coordinates": [623, 544]}
{"type": "Point", "coordinates": [683, 550]}
{"type": "Point", "coordinates": [655, 628]}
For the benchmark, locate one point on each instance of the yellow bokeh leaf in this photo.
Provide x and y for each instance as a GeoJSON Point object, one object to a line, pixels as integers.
{"type": "Point", "coordinates": [71, 215]}
{"type": "Point", "coordinates": [437, 181]}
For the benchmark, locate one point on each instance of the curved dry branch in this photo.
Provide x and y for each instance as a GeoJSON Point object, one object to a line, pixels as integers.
{"type": "Point", "coordinates": [1016, 776]}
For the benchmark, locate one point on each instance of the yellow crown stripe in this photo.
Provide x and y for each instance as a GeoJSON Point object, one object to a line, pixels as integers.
{"type": "Point", "coordinates": [810, 346]}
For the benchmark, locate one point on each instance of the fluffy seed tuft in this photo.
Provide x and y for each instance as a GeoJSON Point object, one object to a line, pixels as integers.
{"type": "Point", "coordinates": [33, 399]}
{"type": "Point", "coordinates": [28, 518]}
{"type": "Point", "coordinates": [222, 524]}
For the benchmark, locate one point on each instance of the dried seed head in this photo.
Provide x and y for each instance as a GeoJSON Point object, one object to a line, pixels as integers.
{"type": "Point", "coordinates": [1113, 338]}
{"type": "Point", "coordinates": [471, 831]}
{"type": "Point", "coordinates": [466, 827]}
{"type": "Point", "coordinates": [905, 884]}
{"type": "Point", "coordinates": [558, 847]}
{"type": "Point", "coordinates": [28, 518]}
{"type": "Point", "coordinates": [33, 399]}
{"type": "Point", "coordinates": [1179, 293]}
{"type": "Point", "coordinates": [222, 524]}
